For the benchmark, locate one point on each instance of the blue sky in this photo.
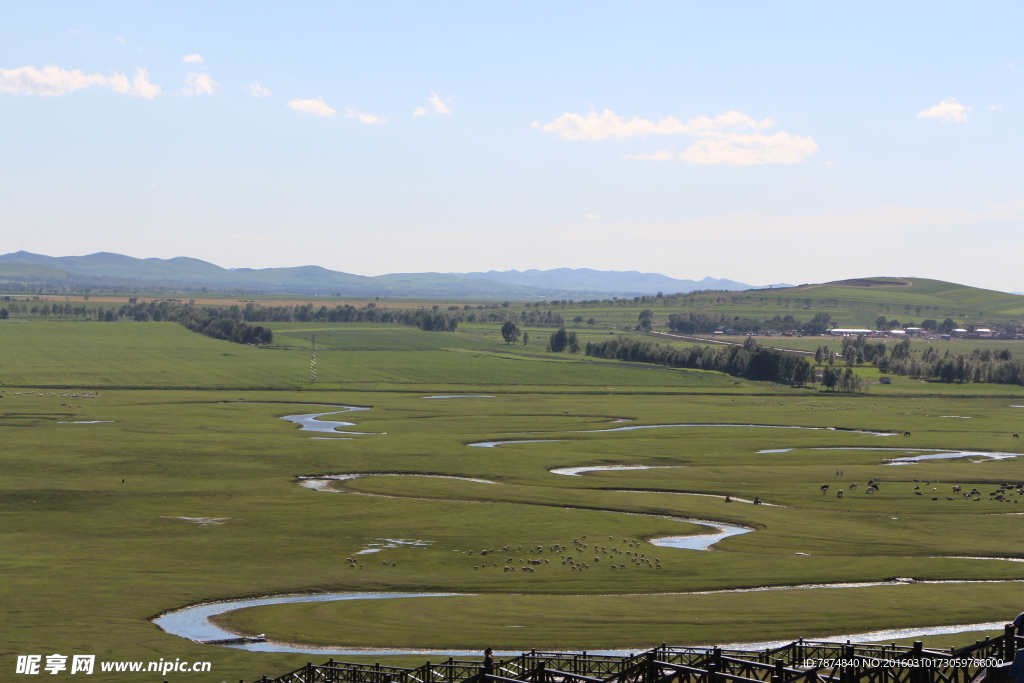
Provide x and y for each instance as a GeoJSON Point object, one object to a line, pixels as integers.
{"type": "Point", "coordinates": [763, 142]}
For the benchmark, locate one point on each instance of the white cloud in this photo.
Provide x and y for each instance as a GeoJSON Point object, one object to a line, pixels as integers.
{"type": "Point", "coordinates": [192, 59]}
{"type": "Point", "coordinates": [362, 116]}
{"type": "Point", "coordinates": [51, 81]}
{"type": "Point", "coordinates": [439, 106]}
{"type": "Point", "coordinates": [718, 143]}
{"type": "Point", "coordinates": [121, 40]}
{"type": "Point", "coordinates": [994, 107]}
{"type": "Point", "coordinates": [317, 106]}
{"type": "Point", "coordinates": [749, 149]}
{"type": "Point", "coordinates": [257, 90]}
{"type": "Point", "coordinates": [607, 124]}
{"type": "Point", "coordinates": [742, 149]}
{"type": "Point", "coordinates": [947, 110]}
{"type": "Point", "coordinates": [592, 216]}
{"type": "Point", "coordinates": [199, 84]}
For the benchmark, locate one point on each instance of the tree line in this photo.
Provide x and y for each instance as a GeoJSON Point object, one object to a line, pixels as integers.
{"type": "Point", "coordinates": [981, 365]}
{"type": "Point", "coordinates": [751, 360]}
{"type": "Point", "coordinates": [706, 323]}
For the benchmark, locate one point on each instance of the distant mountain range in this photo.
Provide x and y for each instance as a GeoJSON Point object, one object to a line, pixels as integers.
{"type": "Point", "coordinates": [585, 279]}
{"type": "Point", "coordinates": [109, 271]}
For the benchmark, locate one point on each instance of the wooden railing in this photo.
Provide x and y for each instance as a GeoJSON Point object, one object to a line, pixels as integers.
{"type": "Point", "coordinates": [802, 661]}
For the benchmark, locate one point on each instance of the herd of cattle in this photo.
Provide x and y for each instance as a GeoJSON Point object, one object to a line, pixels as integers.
{"type": "Point", "coordinates": [1003, 494]}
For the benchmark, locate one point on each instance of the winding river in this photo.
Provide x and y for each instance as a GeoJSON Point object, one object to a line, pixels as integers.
{"type": "Point", "coordinates": [194, 623]}
{"type": "Point", "coordinates": [311, 422]}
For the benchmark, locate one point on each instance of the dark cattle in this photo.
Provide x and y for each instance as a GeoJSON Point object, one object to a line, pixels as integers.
{"type": "Point", "coordinates": [906, 433]}
{"type": "Point", "coordinates": [1016, 436]}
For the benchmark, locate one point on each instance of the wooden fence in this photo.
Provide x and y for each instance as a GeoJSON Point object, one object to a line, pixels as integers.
{"type": "Point", "coordinates": [802, 661]}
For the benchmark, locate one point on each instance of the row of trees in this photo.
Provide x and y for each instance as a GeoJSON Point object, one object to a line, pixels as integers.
{"type": "Point", "coordinates": [228, 330]}
{"type": "Point", "coordinates": [208, 321]}
{"type": "Point", "coordinates": [751, 360]}
{"type": "Point", "coordinates": [981, 365]}
{"type": "Point", "coordinates": [706, 323]}
{"type": "Point", "coordinates": [978, 366]}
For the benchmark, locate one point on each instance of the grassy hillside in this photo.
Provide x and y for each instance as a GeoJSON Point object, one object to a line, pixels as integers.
{"type": "Point", "coordinates": [915, 297]}
{"type": "Point", "coordinates": [128, 354]}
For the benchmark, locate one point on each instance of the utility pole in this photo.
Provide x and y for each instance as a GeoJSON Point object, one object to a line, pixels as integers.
{"type": "Point", "coordinates": [312, 362]}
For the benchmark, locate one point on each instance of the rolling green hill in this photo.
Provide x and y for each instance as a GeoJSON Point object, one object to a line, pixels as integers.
{"type": "Point", "coordinates": [858, 302]}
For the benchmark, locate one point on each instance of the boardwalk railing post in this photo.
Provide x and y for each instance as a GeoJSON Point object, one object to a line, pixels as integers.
{"type": "Point", "coordinates": [917, 672]}
{"type": "Point", "coordinates": [1009, 645]}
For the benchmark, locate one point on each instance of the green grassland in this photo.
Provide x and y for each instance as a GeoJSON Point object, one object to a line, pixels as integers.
{"type": "Point", "coordinates": [89, 354]}
{"type": "Point", "coordinates": [191, 426]}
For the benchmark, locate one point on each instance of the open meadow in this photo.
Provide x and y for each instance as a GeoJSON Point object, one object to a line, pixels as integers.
{"type": "Point", "coordinates": [147, 468]}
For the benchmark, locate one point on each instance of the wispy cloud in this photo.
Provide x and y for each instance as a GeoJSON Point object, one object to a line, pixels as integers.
{"type": "Point", "coordinates": [750, 149]}
{"type": "Point", "coordinates": [719, 140]}
{"type": "Point", "coordinates": [51, 81]}
{"type": "Point", "coordinates": [257, 90]}
{"type": "Point", "coordinates": [317, 107]}
{"type": "Point", "coordinates": [437, 105]}
{"type": "Point", "coordinates": [192, 59]}
{"type": "Point", "coordinates": [121, 40]}
{"type": "Point", "coordinates": [607, 124]}
{"type": "Point", "coordinates": [592, 216]}
{"type": "Point", "coordinates": [947, 110]}
{"type": "Point", "coordinates": [199, 84]}
{"type": "Point", "coordinates": [994, 107]}
{"type": "Point", "coordinates": [364, 117]}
